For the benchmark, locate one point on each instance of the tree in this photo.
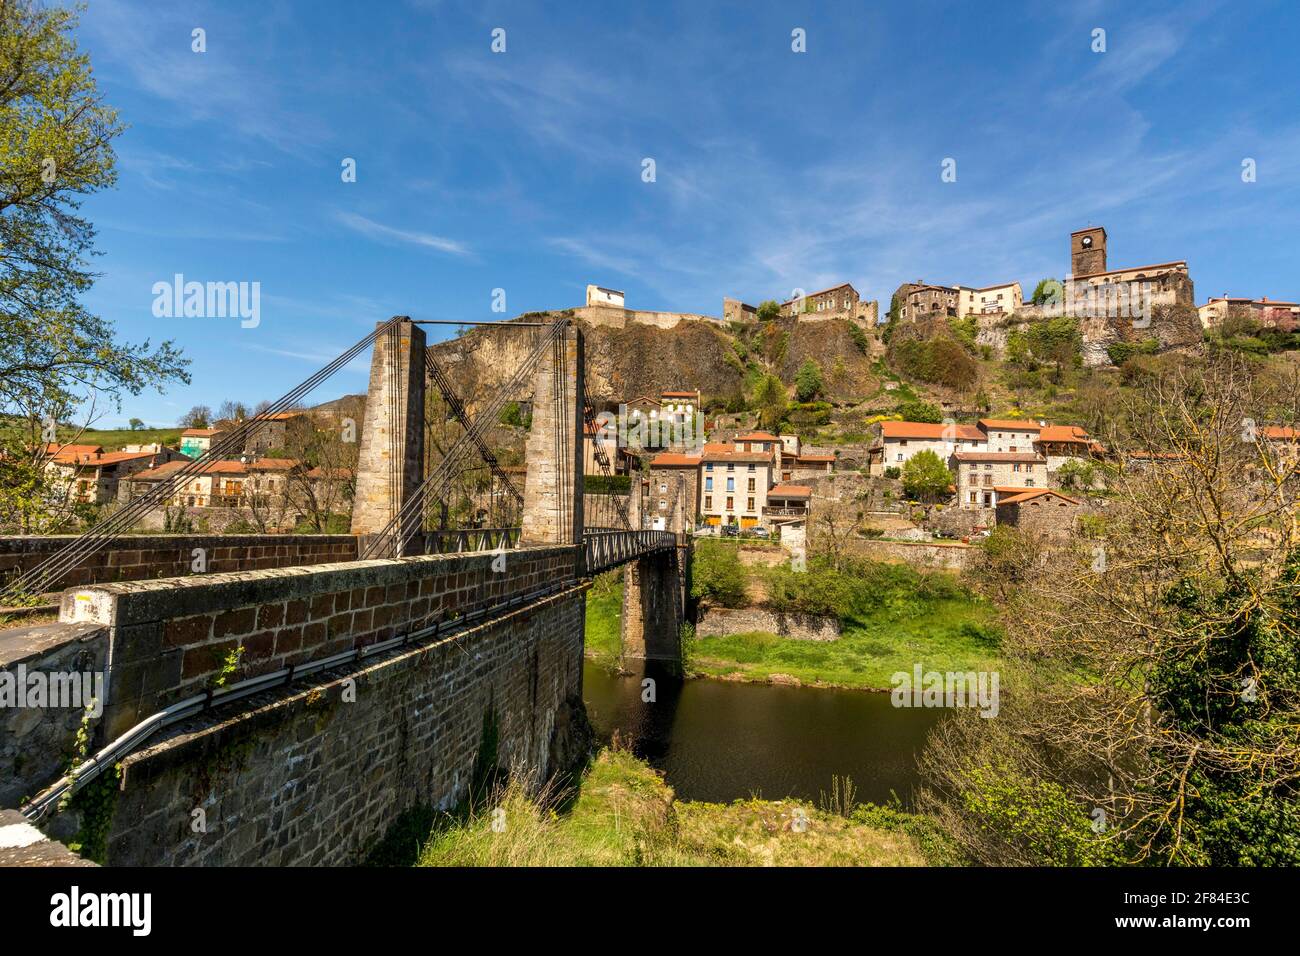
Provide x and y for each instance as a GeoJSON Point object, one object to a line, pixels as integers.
{"type": "Point", "coordinates": [1076, 473]}
{"type": "Point", "coordinates": [808, 381]}
{"type": "Point", "coordinates": [1153, 675]}
{"type": "Point", "coordinates": [1046, 290]}
{"type": "Point", "coordinates": [772, 402]}
{"type": "Point", "coordinates": [769, 309]}
{"type": "Point", "coordinates": [57, 359]}
{"type": "Point", "coordinates": [200, 416]}
{"type": "Point", "coordinates": [926, 477]}
{"type": "Point", "coordinates": [232, 411]}
{"type": "Point", "coordinates": [135, 424]}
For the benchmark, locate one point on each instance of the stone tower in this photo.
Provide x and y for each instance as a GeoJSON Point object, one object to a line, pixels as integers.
{"type": "Point", "coordinates": [391, 458]}
{"type": "Point", "coordinates": [1088, 251]}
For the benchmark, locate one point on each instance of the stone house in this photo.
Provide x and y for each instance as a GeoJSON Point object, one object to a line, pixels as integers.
{"type": "Point", "coordinates": [1040, 511]}
{"type": "Point", "coordinates": [1010, 434]}
{"type": "Point", "coordinates": [985, 477]}
{"type": "Point", "coordinates": [598, 295]}
{"type": "Point", "coordinates": [670, 492]}
{"type": "Point", "coordinates": [195, 442]}
{"type": "Point", "coordinates": [218, 484]}
{"type": "Point", "coordinates": [796, 464]}
{"type": "Point", "coordinates": [838, 299]}
{"type": "Point", "coordinates": [90, 475]}
{"type": "Point", "coordinates": [735, 478]}
{"type": "Point", "coordinates": [991, 300]}
{"type": "Point", "coordinates": [923, 300]}
{"type": "Point", "coordinates": [899, 441]}
{"type": "Point", "coordinates": [1268, 313]}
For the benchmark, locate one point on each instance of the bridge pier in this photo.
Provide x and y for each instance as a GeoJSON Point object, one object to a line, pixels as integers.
{"type": "Point", "coordinates": [553, 487]}
{"type": "Point", "coordinates": [652, 608]}
{"type": "Point", "coordinates": [390, 463]}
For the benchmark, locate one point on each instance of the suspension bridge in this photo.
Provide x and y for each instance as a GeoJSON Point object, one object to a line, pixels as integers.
{"type": "Point", "coordinates": [460, 606]}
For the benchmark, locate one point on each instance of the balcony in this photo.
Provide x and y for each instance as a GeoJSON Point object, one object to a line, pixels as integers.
{"type": "Point", "coordinates": [786, 512]}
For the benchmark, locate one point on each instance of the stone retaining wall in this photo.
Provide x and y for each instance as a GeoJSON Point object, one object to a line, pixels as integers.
{"type": "Point", "coordinates": [718, 621]}
{"type": "Point", "coordinates": [926, 556]}
{"type": "Point", "coordinates": [38, 737]}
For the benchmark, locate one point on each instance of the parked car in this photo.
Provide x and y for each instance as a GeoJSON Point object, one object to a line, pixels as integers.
{"type": "Point", "coordinates": [730, 530]}
{"type": "Point", "coordinates": [761, 533]}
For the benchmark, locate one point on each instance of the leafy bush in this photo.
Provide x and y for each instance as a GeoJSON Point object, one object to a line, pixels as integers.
{"type": "Point", "coordinates": [918, 411]}
{"type": "Point", "coordinates": [941, 361]}
{"type": "Point", "coordinates": [718, 575]}
{"type": "Point", "coordinates": [808, 381]}
{"type": "Point", "coordinates": [893, 472]}
{"type": "Point", "coordinates": [1121, 352]}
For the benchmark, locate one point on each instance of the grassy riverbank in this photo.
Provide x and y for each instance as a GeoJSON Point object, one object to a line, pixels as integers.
{"type": "Point", "coordinates": [624, 814]}
{"type": "Point", "coordinates": [892, 617]}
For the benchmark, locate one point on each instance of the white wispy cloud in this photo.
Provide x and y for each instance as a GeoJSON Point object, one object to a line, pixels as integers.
{"type": "Point", "coordinates": [380, 231]}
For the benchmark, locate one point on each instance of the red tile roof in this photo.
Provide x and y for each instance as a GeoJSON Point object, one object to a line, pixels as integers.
{"type": "Point", "coordinates": [200, 432]}
{"type": "Point", "coordinates": [930, 430]}
{"type": "Point", "coordinates": [1064, 433]}
{"type": "Point", "coordinates": [756, 436]}
{"type": "Point", "coordinates": [670, 459]}
{"type": "Point", "coordinates": [1027, 494]}
{"type": "Point", "coordinates": [790, 491]}
{"type": "Point", "coordinates": [816, 458]}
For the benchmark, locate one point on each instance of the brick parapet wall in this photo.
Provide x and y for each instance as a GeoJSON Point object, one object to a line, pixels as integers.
{"type": "Point", "coordinates": [171, 639]}
{"type": "Point", "coordinates": [307, 777]}
{"type": "Point", "coordinates": [145, 557]}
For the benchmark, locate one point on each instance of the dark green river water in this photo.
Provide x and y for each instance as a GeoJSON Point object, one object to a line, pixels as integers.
{"type": "Point", "coordinates": [719, 741]}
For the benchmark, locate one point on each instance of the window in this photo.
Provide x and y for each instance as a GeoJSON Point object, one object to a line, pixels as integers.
{"type": "Point", "coordinates": [662, 504]}
{"type": "Point", "coordinates": [731, 484]}
{"type": "Point", "coordinates": [663, 487]}
{"type": "Point", "coordinates": [750, 505]}
{"type": "Point", "coordinates": [974, 497]}
{"type": "Point", "coordinates": [1015, 467]}
{"type": "Point", "coordinates": [708, 483]}
{"type": "Point", "coordinates": [708, 502]}
{"type": "Point", "coordinates": [730, 466]}
{"type": "Point", "coordinates": [751, 485]}
{"type": "Point", "coordinates": [1029, 482]}
{"type": "Point", "coordinates": [731, 503]}
{"type": "Point", "coordinates": [708, 466]}
{"type": "Point", "coordinates": [900, 456]}
{"type": "Point", "coordinates": [751, 467]}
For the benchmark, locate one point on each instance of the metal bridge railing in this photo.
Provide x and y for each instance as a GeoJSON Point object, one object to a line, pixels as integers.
{"type": "Point", "coordinates": [605, 548]}
{"type": "Point", "coordinates": [470, 539]}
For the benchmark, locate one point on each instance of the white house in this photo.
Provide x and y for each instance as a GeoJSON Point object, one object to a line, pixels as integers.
{"type": "Point", "coordinates": [597, 295]}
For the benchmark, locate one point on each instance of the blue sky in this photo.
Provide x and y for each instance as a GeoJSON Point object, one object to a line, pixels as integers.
{"type": "Point", "coordinates": [774, 169]}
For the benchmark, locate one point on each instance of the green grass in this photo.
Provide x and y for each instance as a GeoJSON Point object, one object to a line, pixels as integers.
{"type": "Point", "coordinates": [900, 618]}
{"type": "Point", "coordinates": [113, 439]}
{"type": "Point", "coordinates": [624, 814]}
{"type": "Point", "coordinates": [604, 612]}
{"type": "Point", "coordinates": [950, 634]}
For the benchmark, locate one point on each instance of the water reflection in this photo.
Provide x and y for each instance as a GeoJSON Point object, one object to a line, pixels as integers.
{"type": "Point", "coordinates": [719, 741]}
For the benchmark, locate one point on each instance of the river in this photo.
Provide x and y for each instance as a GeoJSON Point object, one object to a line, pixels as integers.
{"type": "Point", "coordinates": [720, 740]}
